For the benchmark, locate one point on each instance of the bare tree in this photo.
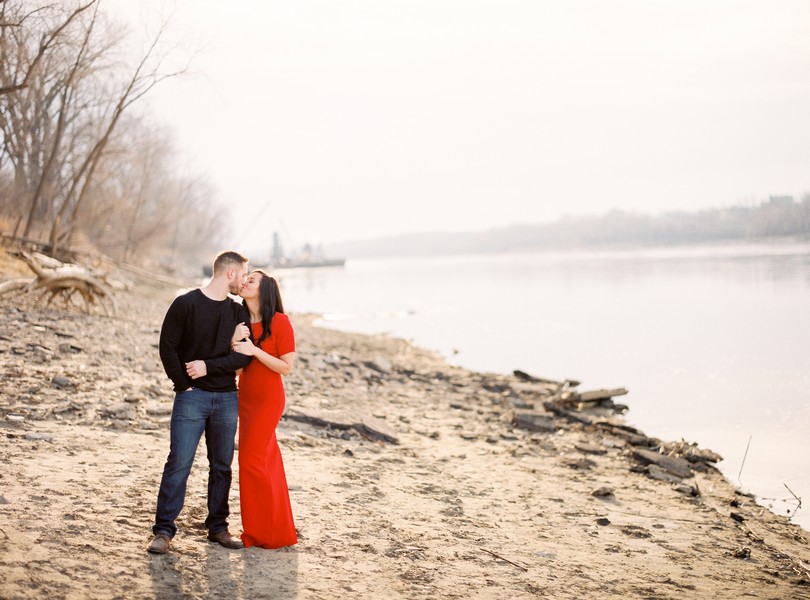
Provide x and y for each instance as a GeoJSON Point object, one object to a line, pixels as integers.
{"type": "Point", "coordinates": [47, 39]}
{"type": "Point", "coordinates": [68, 90]}
{"type": "Point", "coordinates": [148, 205]}
{"type": "Point", "coordinates": [76, 161]}
{"type": "Point", "coordinates": [144, 77]}
{"type": "Point", "coordinates": [33, 118]}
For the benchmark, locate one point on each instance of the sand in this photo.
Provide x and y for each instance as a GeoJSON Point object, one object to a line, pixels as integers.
{"type": "Point", "coordinates": [464, 505]}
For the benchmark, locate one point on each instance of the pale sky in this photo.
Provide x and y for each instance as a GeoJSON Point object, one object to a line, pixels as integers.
{"type": "Point", "coordinates": [332, 120]}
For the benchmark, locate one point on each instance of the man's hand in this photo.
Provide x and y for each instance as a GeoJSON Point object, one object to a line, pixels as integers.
{"type": "Point", "coordinates": [196, 369]}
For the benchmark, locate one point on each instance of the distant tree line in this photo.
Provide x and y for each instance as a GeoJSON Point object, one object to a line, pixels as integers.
{"type": "Point", "coordinates": [79, 166]}
{"type": "Point", "coordinates": [779, 216]}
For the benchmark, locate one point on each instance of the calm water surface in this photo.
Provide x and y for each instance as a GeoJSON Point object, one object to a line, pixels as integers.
{"type": "Point", "coordinates": [711, 342]}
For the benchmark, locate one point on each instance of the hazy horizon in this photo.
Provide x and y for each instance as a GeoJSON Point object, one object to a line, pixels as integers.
{"type": "Point", "coordinates": [336, 122]}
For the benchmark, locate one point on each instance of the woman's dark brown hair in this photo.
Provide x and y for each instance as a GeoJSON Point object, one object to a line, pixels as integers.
{"type": "Point", "coordinates": [269, 302]}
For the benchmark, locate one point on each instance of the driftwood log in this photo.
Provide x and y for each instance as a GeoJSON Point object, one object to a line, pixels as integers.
{"type": "Point", "coordinates": [599, 395]}
{"type": "Point", "coordinates": [13, 285]}
{"type": "Point", "coordinates": [364, 424]}
{"type": "Point", "coordinates": [63, 282]}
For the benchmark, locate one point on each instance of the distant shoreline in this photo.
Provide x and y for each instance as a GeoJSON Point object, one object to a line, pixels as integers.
{"type": "Point", "coordinates": [779, 219]}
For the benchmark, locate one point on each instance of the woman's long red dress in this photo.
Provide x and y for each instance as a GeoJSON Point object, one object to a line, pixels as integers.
{"type": "Point", "coordinates": [267, 518]}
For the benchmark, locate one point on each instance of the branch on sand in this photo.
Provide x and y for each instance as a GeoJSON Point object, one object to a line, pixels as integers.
{"type": "Point", "coordinates": [64, 282]}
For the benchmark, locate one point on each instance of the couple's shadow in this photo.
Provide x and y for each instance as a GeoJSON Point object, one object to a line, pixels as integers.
{"type": "Point", "coordinates": [270, 573]}
{"type": "Point", "coordinates": [249, 573]}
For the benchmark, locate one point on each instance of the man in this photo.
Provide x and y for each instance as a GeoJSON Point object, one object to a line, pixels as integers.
{"type": "Point", "coordinates": [195, 348]}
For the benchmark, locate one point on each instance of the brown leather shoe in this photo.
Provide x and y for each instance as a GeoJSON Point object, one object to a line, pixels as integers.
{"type": "Point", "coordinates": [224, 538]}
{"type": "Point", "coordinates": [159, 544]}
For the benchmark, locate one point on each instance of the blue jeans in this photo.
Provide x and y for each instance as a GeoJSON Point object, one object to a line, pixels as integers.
{"type": "Point", "coordinates": [196, 411]}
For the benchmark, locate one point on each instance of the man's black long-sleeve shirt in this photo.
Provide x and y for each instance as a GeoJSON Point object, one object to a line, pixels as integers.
{"type": "Point", "coordinates": [198, 328]}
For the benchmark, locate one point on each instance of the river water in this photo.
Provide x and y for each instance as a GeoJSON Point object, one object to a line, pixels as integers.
{"type": "Point", "coordinates": [712, 342]}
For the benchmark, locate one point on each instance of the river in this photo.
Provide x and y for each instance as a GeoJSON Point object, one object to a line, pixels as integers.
{"type": "Point", "coordinates": [711, 341]}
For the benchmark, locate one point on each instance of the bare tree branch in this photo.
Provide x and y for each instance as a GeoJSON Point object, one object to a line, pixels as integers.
{"type": "Point", "coordinates": [67, 90]}
{"type": "Point", "coordinates": [45, 43]}
{"type": "Point", "coordinates": [81, 182]}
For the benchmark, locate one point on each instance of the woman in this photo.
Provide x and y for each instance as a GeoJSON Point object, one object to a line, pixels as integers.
{"type": "Point", "coordinates": [266, 513]}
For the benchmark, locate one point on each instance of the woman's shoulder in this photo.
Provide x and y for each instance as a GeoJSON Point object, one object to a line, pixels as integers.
{"type": "Point", "coordinates": [280, 317]}
{"type": "Point", "coordinates": [282, 322]}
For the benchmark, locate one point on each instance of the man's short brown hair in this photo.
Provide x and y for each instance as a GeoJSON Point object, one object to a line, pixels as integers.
{"type": "Point", "coordinates": [227, 259]}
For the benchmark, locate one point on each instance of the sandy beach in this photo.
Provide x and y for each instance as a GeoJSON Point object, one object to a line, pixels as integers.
{"type": "Point", "coordinates": [429, 481]}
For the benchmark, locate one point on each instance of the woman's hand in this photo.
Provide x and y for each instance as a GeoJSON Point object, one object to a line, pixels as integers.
{"type": "Point", "coordinates": [240, 333]}
{"type": "Point", "coordinates": [247, 348]}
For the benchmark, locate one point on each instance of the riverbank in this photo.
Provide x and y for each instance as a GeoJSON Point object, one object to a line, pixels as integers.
{"type": "Point", "coordinates": [708, 340]}
{"type": "Point", "coordinates": [465, 504]}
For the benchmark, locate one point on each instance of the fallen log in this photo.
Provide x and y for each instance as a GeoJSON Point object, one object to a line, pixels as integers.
{"type": "Point", "coordinates": [364, 424]}
{"type": "Point", "coordinates": [13, 285]}
{"type": "Point", "coordinates": [554, 408]}
{"type": "Point", "coordinates": [63, 282]}
{"type": "Point", "coordinates": [672, 464]}
{"type": "Point", "coordinates": [524, 376]}
{"type": "Point", "coordinates": [92, 291]}
{"type": "Point", "coordinates": [598, 395]}
{"type": "Point", "coordinates": [533, 421]}
{"type": "Point", "coordinates": [692, 452]}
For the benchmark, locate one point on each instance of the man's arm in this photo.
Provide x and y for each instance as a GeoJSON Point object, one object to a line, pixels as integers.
{"type": "Point", "coordinates": [229, 362]}
{"type": "Point", "coordinates": [171, 335]}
